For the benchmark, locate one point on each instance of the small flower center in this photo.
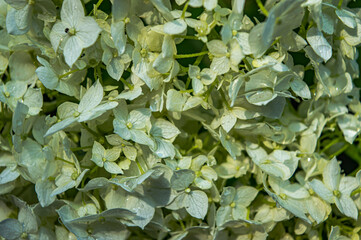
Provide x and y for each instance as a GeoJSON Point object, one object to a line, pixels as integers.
{"type": "Point", "coordinates": [201, 30]}
{"type": "Point", "coordinates": [337, 193]}
{"type": "Point", "coordinates": [76, 114]}
{"type": "Point", "coordinates": [233, 204]}
{"type": "Point", "coordinates": [228, 54]}
{"type": "Point", "coordinates": [104, 159]}
{"type": "Point", "coordinates": [187, 190]}
{"type": "Point", "coordinates": [7, 94]}
{"type": "Point", "coordinates": [31, 2]}
{"type": "Point", "coordinates": [283, 196]}
{"type": "Point", "coordinates": [143, 53]}
{"type": "Point", "coordinates": [129, 125]}
{"type": "Point", "coordinates": [234, 32]}
{"type": "Point", "coordinates": [74, 176]}
{"type": "Point", "coordinates": [126, 20]}
{"type": "Point", "coordinates": [70, 31]}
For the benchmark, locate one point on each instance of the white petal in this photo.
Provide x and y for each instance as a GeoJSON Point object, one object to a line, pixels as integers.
{"type": "Point", "coordinates": [72, 50]}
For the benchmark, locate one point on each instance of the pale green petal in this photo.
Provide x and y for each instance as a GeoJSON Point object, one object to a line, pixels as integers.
{"type": "Point", "coordinates": [319, 43]}
{"type": "Point", "coordinates": [164, 129]}
{"type": "Point", "coordinates": [346, 205]}
{"type": "Point", "coordinates": [91, 98]}
{"type": "Point", "coordinates": [139, 118]}
{"type": "Point", "coordinates": [322, 190]}
{"type": "Point", "coordinates": [164, 148]}
{"type": "Point", "coordinates": [121, 129]}
{"type": "Point", "coordinates": [217, 48]}
{"type": "Point", "coordinates": [98, 153]}
{"type": "Point", "coordinates": [112, 168]}
{"type": "Point", "coordinates": [196, 204]}
{"type": "Point", "coordinates": [87, 31]}
{"type": "Point", "coordinates": [72, 12]}
{"type": "Point", "coordinates": [11, 229]}
{"type": "Point", "coordinates": [118, 35]}
{"type": "Point", "coordinates": [60, 126]}
{"type": "Point", "coordinates": [141, 137]}
{"type": "Point", "coordinates": [174, 27]}
{"type": "Point", "coordinates": [331, 175]}
{"type": "Point", "coordinates": [220, 65]}
{"type": "Point", "coordinates": [347, 17]}
{"type": "Point", "coordinates": [72, 50]}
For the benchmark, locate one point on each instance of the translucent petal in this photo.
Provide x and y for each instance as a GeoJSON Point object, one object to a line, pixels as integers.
{"type": "Point", "coordinates": [72, 50]}
{"type": "Point", "coordinates": [72, 12]}
{"type": "Point", "coordinates": [319, 44]}
{"type": "Point", "coordinates": [91, 98]}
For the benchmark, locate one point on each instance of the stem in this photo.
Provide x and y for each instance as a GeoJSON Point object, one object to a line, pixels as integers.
{"type": "Point", "coordinates": [199, 58]}
{"type": "Point", "coordinates": [182, 225]}
{"type": "Point", "coordinates": [66, 161]}
{"type": "Point", "coordinates": [341, 150]}
{"type": "Point", "coordinates": [96, 6]}
{"type": "Point", "coordinates": [330, 144]}
{"type": "Point", "coordinates": [224, 99]}
{"type": "Point", "coordinates": [80, 148]}
{"type": "Point", "coordinates": [355, 192]}
{"type": "Point", "coordinates": [99, 73]}
{"type": "Point", "coordinates": [191, 55]}
{"type": "Point", "coordinates": [91, 131]}
{"type": "Point", "coordinates": [339, 5]}
{"type": "Point", "coordinates": [93, 170]}
{"type": "Point", "coordinates": [68, 73]}
{"type": "Point", "coordinates": [188, 82]}
{"type": "Point", "coordinates": [186, 37]}
{"type": "Point", "coordinates": [208, 92]}
{"type": "Point", "coordinates": [130, 86]}
{"type": "Point", "coordinates": [263, 9]}
{"type": "Point", "coordinates": [184, 10]}
{"type": "Point", "coordinates": [187, 91]}
{"type": "Point", "coordinates": [140, 167]}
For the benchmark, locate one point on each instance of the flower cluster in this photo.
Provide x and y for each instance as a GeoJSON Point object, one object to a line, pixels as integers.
{"type": "Point", "coordinates": [184, 119]}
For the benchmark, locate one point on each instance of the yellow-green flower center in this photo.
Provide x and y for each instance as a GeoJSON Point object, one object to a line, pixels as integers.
{"type": "Point", "coordinates": [283, 196]}
{"type": "Point", "coordinates": [74, 176]}
{"type": "Point", "coordinates": [337, 193]}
